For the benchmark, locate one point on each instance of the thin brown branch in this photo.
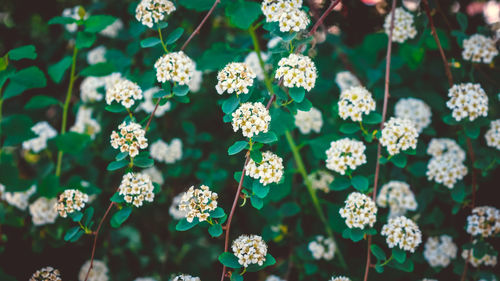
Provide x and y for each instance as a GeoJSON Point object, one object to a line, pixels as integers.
{"type": "Point", "coordinates": [197, 30]}
{"type": "Point", "coordinates": [384, 114]}
{"type": "Point", "coordinates": [152, 115]}
{"type": "Point", "coordinates": [330, 8]}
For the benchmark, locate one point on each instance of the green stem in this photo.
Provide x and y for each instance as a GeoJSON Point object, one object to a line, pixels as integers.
{"type": "Point", "coordinates": [256, 46]}
{"type": "Point", "coordinates": [72, 78]}
{"type": "Point", "coordinates": [1, 103]}
{"type": "Point", "coordinates": [387, 261]}
{"type": "Point", "coordinates": [161, 40]}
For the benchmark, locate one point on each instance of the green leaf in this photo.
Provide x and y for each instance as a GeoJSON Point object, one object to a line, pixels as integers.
{"type": "Point", "coordinates": [257, 202]}
{"type": "Point", "coordinates": [184, 225]}
{"type": "Point", "coordinates": [242, 13]}
{"type": "Point", "coordinates": [72, 142]}
{"type": "Point", "coordinates": [281, 121]}
{"type": "Point", "coordinates": [406, 266]}
{"type": "Point", "coordinates": [297, 94]}
{"type": "Point", "coordinates": [98, 69]}
{"type": "Point", "coordinates": [268, 137]}
{"type": "Point", "coordinates": [150, 42]}
{"type": "Point", "coordinates": [443, 39]}
{"type": "Point", "coordinates": [76, 216]}
{"type": "Point", "coordinates": [181, 90]}
{"type": "Point", "coordinates": [115, 108]}
{"type": "Point", "coordinates": [472, 130]}
{"type": "Point", "coordinates": [215, 230]}
{"type": "Point", "coordinates": [357, 234]}
{"type": "Point", "coordinates": [268, 262]}
{"type": "Point", "coordinates": [399, 160]}
{"type": "Point", "coordinates": [449, 120]}
{"type": "Point", "coordinates": [379, 268]}
{"type": "Point", "coordinates": [372, 118]}
{"type": "Point", "coordinates": [27, 78]}
{"type": "Point", "coordinates": [217, 213]}
{"type": "Point", "coordinates": [378, 252]}
{"type": "Point", "coordinates": [120, 217]}
{"type": "Point", "coordinates": [84, 39]}
{"type": "Point", "coordinates": [462, 21]}
{"type": "Point", "coordinates": [237, 147]}
{"type": "Point", "coordinates": [340, 183]}
{"type": "Point", "coordinates": [116, 165]}
{"type": "Point", "coordinates": [57, 70]}
{"type": "Point", "coordinates": [197, 5]}
{"type": "Point", "coordinates": [259, 189]}
{"type": "Point", "coordinates": [49, 186]}
{"type": "Point", "coordinates": [143, 162]}
{"type": "Point", "coordinates": [458, 193]}
{"type": "Point", "coordinates": [97, 23]}
{"type": "Point", "coordinates": [289, 209]}
{"type": "Point", "coordinates": [61, 20]}
{"type": "Point", "coordinates": [398, 254]}
{"type": "Point", "coordinates": [360, 183]}
{"type": "Point", "coordinates": [305, 105]}
{"type": "Point", "coordinates": [71, 233]}
{"type": "Point", "coordinates": [480, 249]}
{"type": "Point", "coordinates": [87, 216]}
{"type": "Point", "coordinates": [174, 36]}
{"type": "Point", "coordinates": [23, 52]}
{"type": "Point", "coordinates": [256, 156]}
{"type": "Point", "coordinates": [229, 105]}
{"type": "Point", "coordinates": [218, 56]}
{"type": "Point", "coordinates": [236, 277]}
{"type": "Point", "coordinates": [40, 101]}
{"type": "Point", "coordinates": [349, 128]}
{"type": "Point", "coordinates": [19, 128]}
{"type": "Point", "coordinates": [117, 198]}
{"type": "Point", "coordinates": [229, 260]}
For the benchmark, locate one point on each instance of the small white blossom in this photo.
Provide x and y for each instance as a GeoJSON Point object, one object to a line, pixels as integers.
{"type": "Point", "coordinates": [467, 100]}
{"type": "Point", "coordinates": [273, 9]}
{"type": "Point", "coordinates": [154, 174]}
{"type": "Point", "coordinates": [252, 61]}
{"type": "Point", "coordinates": [113, 29]}
{"type": "Point", "coordinates": [43, 211]}
{"type": "Point", "coordinates": [44, 132]}
{"type": "Point", "coordinates": [167, 153]}
{"type": "Point", "coordinates": [484, 221]}
{"type": "Point", "coordinates": [399, 134]}
{"type": "Point", "coordinates": [321, 180]}
{"type": "Point", "coordinates": [17, 199]}
{"type": "Point", "coordinates": [403, 26]}
{"type": "Point", "coordinates": [479, 48]}
{"type": "Point", "coordinates": [486, 260]}
{"type": "Point", "coordinates": [354, 102]}
{"type": "Point", "coordinates": [340, 278]}
{"type": "Point", "coordinates": [293, 20]}
{"type": "Point", "coordinates": [197, 203]}
{"type": "Point", "coordinates": [129, 138]}
{"type": "Point", "coordinates": [274, 278]}
{"type": "Point", "coordinates": [345, 154]}
{"type": "Point", "coordinates": [235, 77]}
{"type": "Point", "coordinates": [85, 124]}
{"type": "Point", "coordinates": [145, 279]}
{"type": "Point", "coordinates": [185, 277]}
{"type": "Point", "coordinates": [492, 136]}
{"type": "Point", "coordinates": [74, 13]}
{"type": "Point", "coordinates": [398, 196]}
{"type": "Point", "coordinates": [403, 233]}
{"type": "Point", "coordinates": [269, 170]}
{"type": "Point", "coordinates": [71, 200]}
{"type": "Point", "coordinates": [46, 274]}
{"type": "Point", "coordinates": [174, 208]}
{"type": "Point", "coordinates": [359, 211]}
{"type": "Point", "coordinates": [322, 248]}
{"type": "Point", "coordinates": [251, 118]}
{"type": "Point", "coordinates": [308, 121]}
{"type": "Point", "coordinates": [153, 11]}
{"type": "Point", "coordinates": [136, 188]}
{"type": "Point", "coordinates": [446, 165]}
{"type": "Point", "coordinates": [99, 271]}
{"type": "Point", "coordinates": [442, 146]}
{"type": "Point", "coordinates": [297, 71]}
{"type": "Point", "coordinates": [439, 251]}
{"type": "Point", "coordinates": [175, 67]}
{"type": "Point", "coordinates": [125, 92]}
{"type": "Point", "coordinates": [346, 80]}
{"type": "Point", "coordinates": [250, 249]}
{"type": "Point", "coordinates": [96, 55]}
{"type": "Point", "coordinates": [195, 82]}
{"type": "Point", "coordinates": [148, 105]}
{"type": "Point", "coordinates": [89, 89]}
{"type": "Point", "coordinates": [415, 110]}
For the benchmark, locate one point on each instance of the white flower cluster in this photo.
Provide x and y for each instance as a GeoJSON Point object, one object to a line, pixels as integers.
{"type": "Point", "coordinates": [322, 248]}
{"type": "Point", "coordinates": [428, 279]}
{"type": "Point", "coordinates": [321, 180]}
{"type": "Point", "coordinates": [492, 136]}
{"type": "Point", "coordinates": [484, 221]}
{"type": "Point", "coordinates": [287, 13]}
{"type": "Point", "coordinates": [130, 138]}
{"type": "Point", "coordinates": [345, 80]}
{"type": "Point", "coordinates": [44, 132]}
{"type": "Point", "coordinates": [467, 100]}
{"type": "Point", "coordinates": [274, 278]}
{"type": "Point", "coordinates": [46, 274]}
{"type": "Point", "coordinates": [167, 153]}
{"type": "Point", "coordinates": [136, 188]}
{"type": "Point", "coordinates": [17, 199]}
{"type": "Point", "coordinates": [175, 67]}
{"type": "Point", "coordinates": [74, 13]}
{"type": "Point", "coordinates": [398, 196]}
{"type": "Point", "coordinates": [308, 121]}
{"type": "Point", "coordinates": [96, 55]}
{"type": "Point", "coordinates": [402, 232]}
{"type": "Point", "coordinates": [415, 110]}
{"type": "Point", "coordinates": [297, 70]}
{"type": "Point", "coordinates": [197, 203]}
{"type": "Point", "coordinates": [340, 278]}
{"type": "Point", "coordinates": [403, 25]}
{"type": "Point", "coordinates": [89, 89]}
{"type": "Point", "coordinates": [195, 83]}
{"type": "Point", "coordinates": [153, 11]}
{"type": "Point", "coordinates": [113, 29]}
{"type": "Point", "coordinates": [439, 251]}
{"type": "Point", "coordinates": [148, 105]}
{"type": "Point", "coordinates": [43, 211]}
{"type": "Point", "coordinates": [125, 92]}
{"type": "Point", "coordinates": [154, 174]}
{"type": "Point", "coordinates": [251, 118]}
{"type": "Point", "coordinates": [99, 271]}
{"type": "Point", "coordinates": [252, 61]}
{"type": "Point", "coordinates": [399, 134]}
{"type": "Point", "coordinates": [269, 170]}
{"type": "Point", "coordinates": [145, 279]}
{"type": "Point", "coordinates": [345, 153]}
{"type": "Point", "coordinates": [186, 277]}
{"type": "Point", "coordinates": [479, 48]}
{"type": "Point", "coordinates": [249, 249]}
{"type": "Point", "coordinates": [359, 211]}
{"type": "Point", "coordinates": [446, 165]}
{"type": "Point", "coordinates": [71, 200]}
{"type": "Point", "coordinates": [486, 260]}
{"type": "Point", "coordinates": [85, 124]}
{"type": "Point", "coordinates": [235, 77]}
{"type": "Point", "coordinates": [354, 102]}
{"type": "Point", "coordinates": [174, 207]}
{"type": "Point", "coordinates": [293, 20]}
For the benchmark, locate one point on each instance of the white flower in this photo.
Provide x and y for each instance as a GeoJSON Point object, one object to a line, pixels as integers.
{"type": "Point", "coordinates": [274, 42]}
{"type": "Point", "coordinates": [185, 277]}
{"type": "Point", "coordinates": [354, 102]}
{"type": "Point", "coordinates": [17, 199]}
{"type": "Point", "coordinates": [136, 188]}
{"type": "Point", "coordinates": [403, 233]}
{"type": "Point", "coordinates": [446, 165]}
{"type": "Point", "coordinates": [293, 20]}
{"type": "Point", "coordinates": [479, 48]}
{"type": "Point", "coordinates": [467, 100]}
{"type": "Point", "coordinates": [274, 278]}
{"type": "Point", "coordinates": [85, 124]}
{"type": "Point", "coordinates": [125, 92]}
{"type": "Point", "coordinates": [111, 80]}
{"type": "Point", "coordinates": [153, 11]}
{"type": "Point", "coordinates": [487, 260]}
{"type": "Point", "coordinates": [250, 249]}
{"type": "Point", "coordinates": [197, 203]}
{"type": "Point", "coordinates": [235, 77]}
{"type": "Point", "coordinates": [251, 118]}
{"type": "Point", "coordinates": [46, 274]}
{"type": "Point", "coordinates": [273, 9]}
{"type": "Point", "coordinates": [252, 61]}
{"type": "Point", "coordinates": [321, 180]}
{"type": "Point", "coordinates": [175, 67]}
{"type": "Point", "coordinates": [71, 200]}
{"type": "Point", "coordinates": [174, 208]}
{"type": "Point", "coordinates": [415, 110]}
{"type": "Point", "coordinates": [269, 170]}
{"type": "Point", "coordinates": [322, 248]}
{"type": "Point", "coordinates": [345, 153]}
{"type": "Point", "coordinates": [403, 26]}
{"type": "Point", "coordinates": [399, 134]}
{"type": "Point", "coordinates": [44, 132]}
{"type": "Point", "coordinates": [297, 71]}
{"type": "Point", "coordinates": [43, 211]}
{"type": "Point", "coordinates": [492, 136]}
{"type": "Point", "coordinates": [148, 105]}
{"type": "Point", "coordinates": [113, 29]}
{"type": "Point", "coordinates": [195, 82]}
{"type": "Point", "coordinates": [359, 211]}
{"type": "Point", "coordinates": [398, 196]}
{"type": "Point", "coordinates": [129, 138]}
{"type": "Point", "coordinates": [346, 80]}
{"type": "Point", "coordinates": [484, 221]}
{"type": "Point", "coordinates": [429, 279]}
{"type": "Point", "coordinates": [340, 278]}
{"type": "Point", "coordinates": [145, 279]}
{"type": "Point", "coordinates": [439, 251]}
{"type": "Point", "coordinates": [96, 55]}
{"type": "Point", "coordinates": [308, 121]}
{"type": "Point", "coordinates": [154, 174]}
{"type": "Point", "coordinates": [74, 13]}
{"type": "Point", "coordinates": [99, 271]}
{"type": "Point", "coordinates": [167, 153]}
{"type": "Point", "coordinates": [441, 146]}
{"type": "Point", "coordinates": [89, 89]}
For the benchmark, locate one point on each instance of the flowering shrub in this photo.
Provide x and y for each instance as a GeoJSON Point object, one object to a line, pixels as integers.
{"type": "Point", "coordinates": [355, 140]}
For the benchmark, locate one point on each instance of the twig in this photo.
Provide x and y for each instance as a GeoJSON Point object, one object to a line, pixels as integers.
{"type": "Point", "coordinates": [197, 30]}
{"type": "Point", "coordinates": [330, 8]}
{"type": "Point", "coordinates": [384, 113]}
